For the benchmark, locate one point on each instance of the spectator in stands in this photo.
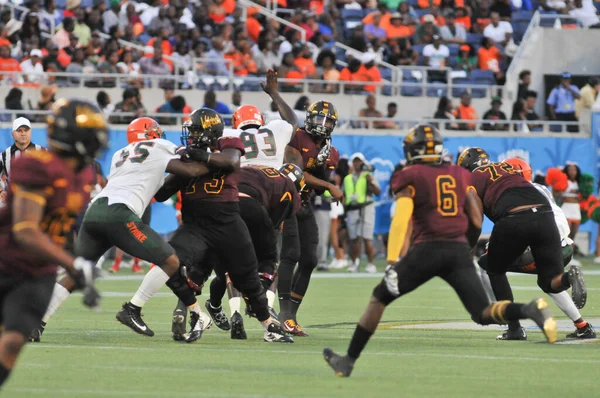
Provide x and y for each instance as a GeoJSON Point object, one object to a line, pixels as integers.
{"type": "Point", "coordinates": [426, 31]}
{"type": "Point", "coordinates": [589, 92]}
{"type": "Point", "coordinates": [81, 29]}
{"type": "Point", "coordinates": [370, 111]}
{"type": "Point", "coordinates": [272, 114]}
{"type": "Point", "coordinates": [530, 100]}
{"type": "Point", "coordinates": [50, 16]}
{"type": "Point", "coordinates": [465, 111]}
{"type": "Point", "coordinates": [104, 104]}
{"type": "Point", "coordinates": [586, 14]}
{"type": "Point", "coordinates": [481, 15]}
{"type": "Point", "coordinates": [241, 59]}
{"type": "Point", "coordinates": [182, 58]}
{"type": "Point", "coordinates": [374, 29]}
{"type": "Point", "coordinates": [129, 103]}
{"type": "Point", "coordinates": [236, 100]}
{"type": "Point", "coordinates": [300, 109]}
{"type": "Point", "coordinates": [174, 105]}
{"type": "Point", "coordinates": [292, 37]}
{"type": "Point", "coordinates": [438, 19]}
{"type": "Point", "coordinates": [266, 58]}
{"type": "Point", "coordinates": [288, 70]}
{"type": "Point", "coordinates": [156, 66]}
{"type": "Point", "coordinates": [499, 31]}
{"type": "Point", "coordinates": [370, 71]}
{"type": "Point", "coordinates": [495, 114]}
{"type": "Point", "coordinates": [110, 17]}
{"type": "Point", "coordinates": [463, 18]}
{"type": "Point", "coordinates": [524, 82]}
{"type": "Point", "coordinates": [61, 37]}
{"type": "Point", "coordinates": [33, 67]}
{"type": "Point", "coordinates": [392, 110]}
{"type": "Point", "coordinates": [444, 111]}
{"type": "Point", "coordinates": [436, 56]}
{"type": "Point", "coordinates": [94, 20]}
{"type": "Point", "coordinates": [79, 64]}
{"type": "Point", "coordinates": [466, 59]}
{"type": "Point", "coordinates": [520, 113]}
{"type": "Point", "coordinates": [451, 32]}
{"type": "Point", "coordinates": [398, 28]}
{"type": "Point", "coordinates": [13, 101]}
{"type": "Point", "coordinates": [561, 102]}
{"type": "Point", "coordinates": [7, 63]}
{"type": "Point", "coordinates": [73, 45]}
{"type": "Point", "coordinates": [128, 66]}
{"type": "Point", "coordinates": [95, 46]}
{"type": "Point", "coordinates": [352, 73]}
{"type": "Point", "coordinates": [218, 66]}
{"type": "Point", "coordinates": [31, 26]}
{"type": "Point", "coordinates": [304, 62]}
{"type": "Point", "coordinates": [503, 9]}
{"type": "Point", "coordinates": [210, 102]}
{"type": "Point", "coordinates": [47, 99]}
{"type": "Point", "coordinates": [401, 53]}
{"type": "Point", "coordinates": [488, 58]}
{"type": "Point", "coordinates": [109, 66]}
{"type": "Point", "coordinates": [553, 5]}
{"type": "Point", "coordinates": [326, 70]}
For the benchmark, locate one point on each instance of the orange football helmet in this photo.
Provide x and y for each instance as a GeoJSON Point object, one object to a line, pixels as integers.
{"type": "Point", "coordinates": [142, 129]}
{"type": "Point", "coordinates": [523, 166]}
{"type": "Point", "coordinates": [247, 115]}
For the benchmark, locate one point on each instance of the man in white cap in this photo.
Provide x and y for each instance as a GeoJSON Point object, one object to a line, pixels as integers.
{"type": "Point", "coordinates": [33, 66]}
{"type": "Point", "coordinates": [359, 188]}
{"type": "Point", "coordinates": [21, 133]}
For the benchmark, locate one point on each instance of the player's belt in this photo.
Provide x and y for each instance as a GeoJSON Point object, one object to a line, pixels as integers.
{"type": "Point", "coordinates": [535, 209]}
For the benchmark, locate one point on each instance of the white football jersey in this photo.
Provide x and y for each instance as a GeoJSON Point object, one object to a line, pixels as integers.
{"type": "Point", "coordinates": [137, 172]}
{"type": "Point", "coordinates": [264, 146]}
{"type": "Point", "coordinates": [559, 216]}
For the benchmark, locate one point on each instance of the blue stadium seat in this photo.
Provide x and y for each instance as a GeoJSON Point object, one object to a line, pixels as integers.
{"type": "Point", "coordinates": [413, 3]}
{"type": "Point", "coordinates": [422, 11]}
{"type": "Point", "coordinates": [411, 91]}
{"type": "Point", "coordinates": [62, 4]}
{"type": "Point", "coordinates": [478, 92]}
{"type": "Point", "coordinates": [597, 5]}
{"type": "Point", "coordinates": [457, 91]}
{"type": "Point", "coordinates": [454, 48]}
{"type": "Point", "coordinates": [349, 14]}
{"type": "Point", "coordinates": [482, 75]}
{"type": "Point", "coordinates": [474, 38]}
{"type": "Point", "coordinates": [386, 73]}
{"type": "Point", "coordinates": [437, 90]}
{"type": "Point", "coordinates": [144, 38]}
{"type": "Point", "coordinates": [251, 85]}
{"type": "Point", "coordinates": [87, 3]}
{"type": "Point", "coordinates": [418, 48]}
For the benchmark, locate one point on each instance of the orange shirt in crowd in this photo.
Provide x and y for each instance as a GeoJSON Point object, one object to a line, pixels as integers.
{"type": "Point", "coordinates": [5, 42]}
{"type": "Point", "coordinates": [395, 32]}
{"type": "Point", "coordinates": [316, 6]}
{"type": "Point", "coordinates": [9, 65]}
{"type": "Point", "coordinates": [436, 3]}
{"type": "Point", "coordinates": [384, 23]}
{"type": "Point", "coordinates": [165, 45]}
{"type": "Point", "coordinates": [483, 22]}
{"type": "Point", "coordinates": [306, 66]}
{"type": "Point", "coordinates": [465, 22]}
{"type": "Point", "coordinates": [219, 12]}
{"type": "Point", "coordinates": [489, 59]}
{"type": "Point", "coordinates": [466, 113]}
{"type": "Point", "coordinates": [253, 28]}
{"type": "Point", "coordinates": [242, 63]}
{"type": "Point", "coordinates": [370, 75]}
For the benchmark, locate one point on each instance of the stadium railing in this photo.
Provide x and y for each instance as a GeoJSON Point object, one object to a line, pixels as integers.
{"type": "Point", "coordinates": [252, 83]}
{"type": "Point", "coordinates": [369, 125]}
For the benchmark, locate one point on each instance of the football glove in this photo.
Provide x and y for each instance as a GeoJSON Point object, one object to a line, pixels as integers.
{"type": "Point", "coordinates": [324, 153]}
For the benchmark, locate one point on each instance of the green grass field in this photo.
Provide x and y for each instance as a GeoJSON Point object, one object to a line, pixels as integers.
{"type": "Point", "coordinates": [90, 354]}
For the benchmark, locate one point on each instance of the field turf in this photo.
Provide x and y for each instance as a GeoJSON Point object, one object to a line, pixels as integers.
{"type": "Point", "coordinates": [90, 354]}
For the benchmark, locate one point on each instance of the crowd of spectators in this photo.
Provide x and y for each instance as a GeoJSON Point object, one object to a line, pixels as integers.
{"type": "Point", "coordinates": [216, 37]}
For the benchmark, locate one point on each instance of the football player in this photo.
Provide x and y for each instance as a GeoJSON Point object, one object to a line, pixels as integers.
{"type": "Point", "coordinates": [525, 264]}
{"type": "Point", "coordinates": [311, 150]}
{"type": "Point", "coordinates": [522, 217]}
{"type": "Point", "coordinates": [48, 189]}
{"type": "Point", "coordinates": [114, 219]}
{"type": "Point", "coordinates": [446, 225]}
{"type": "Point", "coordinates": [264, 146]}
{"type": "Point", "coordinates": [267, 197]}
{"type": "Point", "coordinates": [211, 218]}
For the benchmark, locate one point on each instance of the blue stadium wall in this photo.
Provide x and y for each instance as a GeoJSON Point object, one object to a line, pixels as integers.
{"type": "Point", "coordinates": [386, 151]}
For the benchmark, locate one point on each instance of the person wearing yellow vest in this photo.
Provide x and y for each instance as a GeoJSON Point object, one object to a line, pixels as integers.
{"type": "Point", "coordinates": [359, 188]}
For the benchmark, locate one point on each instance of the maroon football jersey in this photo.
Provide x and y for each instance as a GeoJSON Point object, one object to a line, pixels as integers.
{"type": "Point", "coordinates": [493, 180]}
{"type": "Point", "coordinates": [303, 142]}
{"type": "Point", "coordinates": [67, 192]}
{"type": "Point", "coordinates": [218, 186]}
{"type": "Point", "coordinates": [276, 192]}
{"type": "Point", "coordinates": [439, 194]}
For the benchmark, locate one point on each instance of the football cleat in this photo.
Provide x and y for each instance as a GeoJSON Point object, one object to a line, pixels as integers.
{"type": "Point", "coordinates": [578, 288]}
{"type": "Point", "coordinates": [218, 316]}
{"type": "Point", "coordinates": [586, 332]}
{"type": "Point", "coordinates": [371, 268]}
{"type": "Point", "coordinates": [237, 327]}
{"type": "Point", "coordinates": [199, 322]}
{"type": "Point", "coordinates": [178, 325]}
{"type": "Point", "coordinates": [275, 334]}
{"type": "Point", "coordinates": [516, 334]}
{"type": "Point", "coordinates": [36, 334]}
{"type": "Point", "coordinates": [131, 317]}
{"type": "Point", "coordinates": [341, 365]}
{"type": "Point", "coordinates": [537, 310]}
{"type": "Point", "coordinates": [291, 327]}
{"type": "Point", "coordinates": [136, 269]}
{"type": "Point", "coordinates": [114, 268]}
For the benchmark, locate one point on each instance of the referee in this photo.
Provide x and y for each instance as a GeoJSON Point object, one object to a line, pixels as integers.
{"type": "Point", "coordinates": [21, 133]}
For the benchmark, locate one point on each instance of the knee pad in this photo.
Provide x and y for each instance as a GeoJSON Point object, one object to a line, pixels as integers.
{"type": "Point", "coordinates": [180, 283]}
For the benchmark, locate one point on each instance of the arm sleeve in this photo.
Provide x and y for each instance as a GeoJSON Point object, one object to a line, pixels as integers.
{"type": "Point", "coordinates": [404, 210]}
{"type": "Point", "coordinates": [552, 98]}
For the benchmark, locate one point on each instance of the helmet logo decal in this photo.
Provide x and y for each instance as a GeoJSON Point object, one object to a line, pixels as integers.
{"type": "Point", "coordinates": [208, 121]}
{"type": "Point", "coordinates": [88, 118]}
